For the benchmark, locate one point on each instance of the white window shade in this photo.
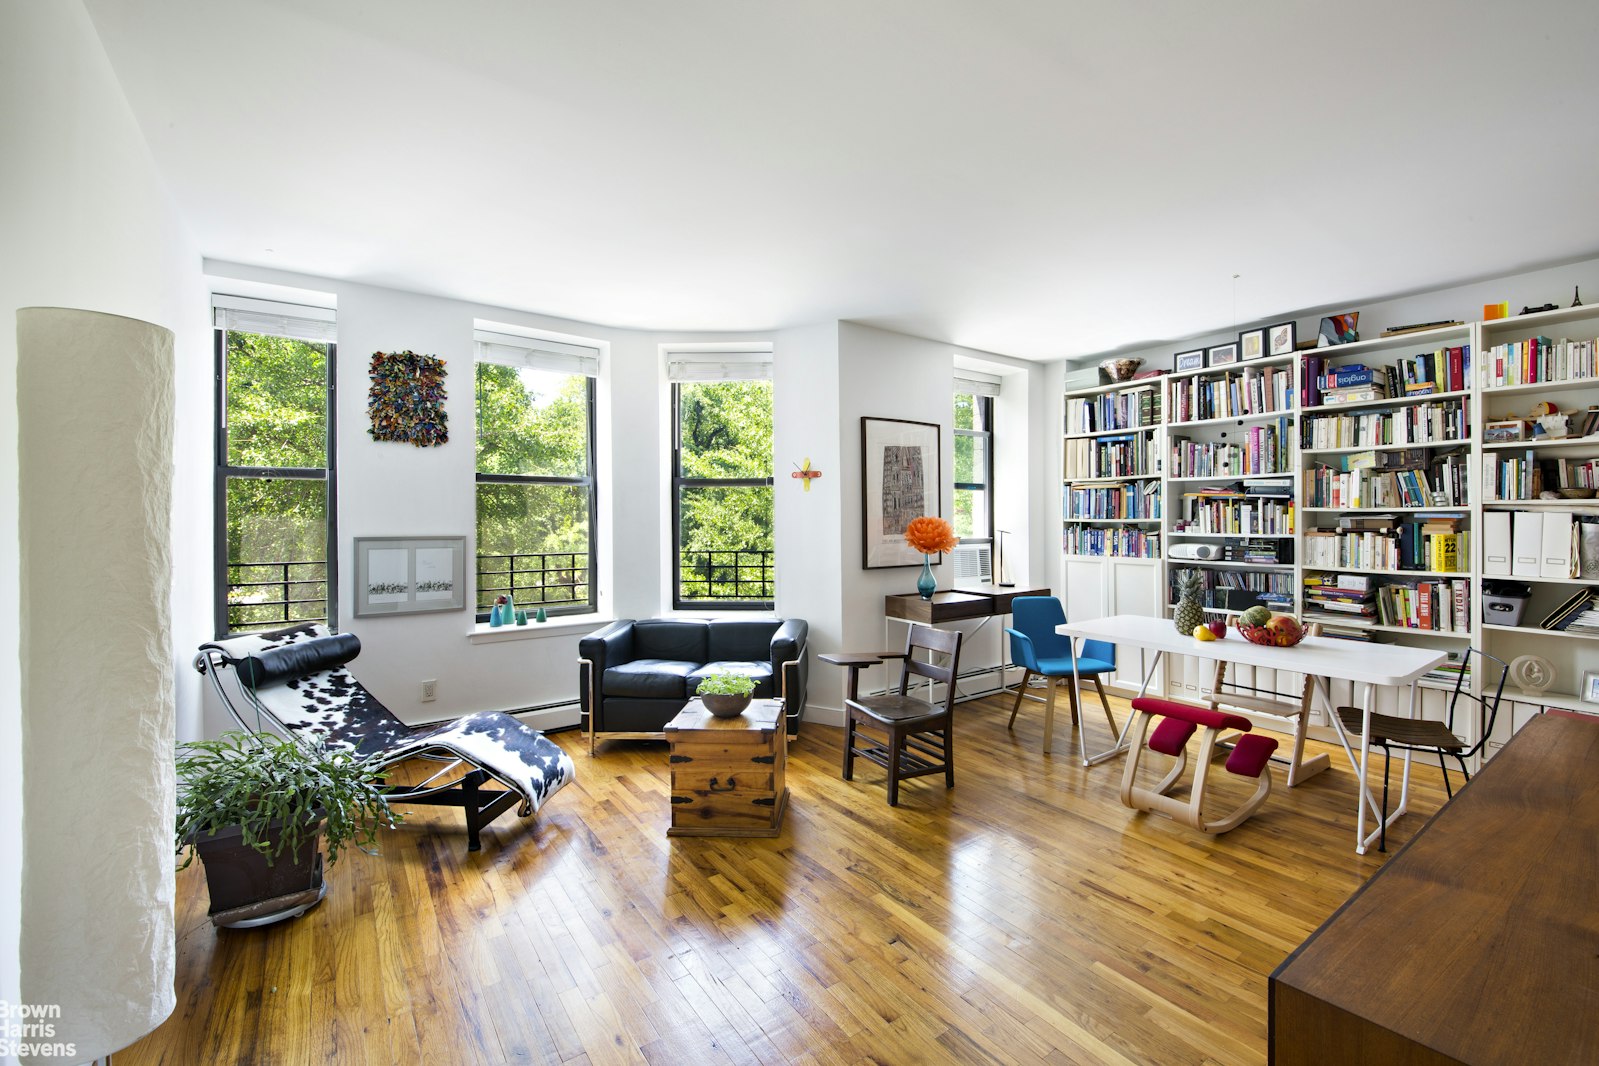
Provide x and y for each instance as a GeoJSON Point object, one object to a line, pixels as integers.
{"type": "Point", "coordinates": [976, 384]}
{"type": "Point", "coordinates": [535, 354]}
{"type": "Point", "coordinates": [719, 366]}
{"type": "Point", "coordinates": [241, 314]}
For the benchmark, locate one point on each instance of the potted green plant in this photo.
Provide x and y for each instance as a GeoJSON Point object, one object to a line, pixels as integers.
{"type": "Point", "coordinates": [726, 695]}
{"type": "Point", "coordinates": [257, 808]}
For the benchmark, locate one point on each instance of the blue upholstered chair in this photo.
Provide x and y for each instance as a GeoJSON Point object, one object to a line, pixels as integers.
{"type": "Point", "coordinates": [1038, 649]}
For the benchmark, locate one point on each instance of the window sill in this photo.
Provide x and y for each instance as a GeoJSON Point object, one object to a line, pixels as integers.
{"type": "Point", "coordinates": [483, 633]}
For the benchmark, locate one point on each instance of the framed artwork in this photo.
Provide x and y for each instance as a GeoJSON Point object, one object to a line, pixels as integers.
{"type": "Point", "coordinates": [1590, 686]}
{"type": "Point", "coordinates": [408, 575]}
{"type": "Point", "coordinates": [1190, 360]}
{"type": "Point", "coordinates": [1252, 344]}
{"type": "Point", "coordinates": [1281, 339]}
{"type": "Point", "coordinates": [1339, 329]}
{"type": "Point", "coordinates": [1222, 354]}
{"type": "Point", "coordinates": [901, 471]}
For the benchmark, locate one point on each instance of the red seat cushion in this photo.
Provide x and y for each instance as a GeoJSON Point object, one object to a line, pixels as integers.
{"type": "Point", "coordinates": [1188, 713]}
{"type": "Point", "coordinates": [1250, 755]}
{"type": "Point", "coordinates": [1170, 736]}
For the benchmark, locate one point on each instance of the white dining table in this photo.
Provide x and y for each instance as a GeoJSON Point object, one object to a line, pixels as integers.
{"type": "Point", "coordinates": [1374, 666]}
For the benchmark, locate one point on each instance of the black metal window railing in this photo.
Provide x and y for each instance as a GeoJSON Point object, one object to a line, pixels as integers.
{"type": "Point", "coordinates": [547, 579]}
{"type": "Point", "coordinates": [732, 574]}
{"type": "Point", "coordinates": [271, 595]}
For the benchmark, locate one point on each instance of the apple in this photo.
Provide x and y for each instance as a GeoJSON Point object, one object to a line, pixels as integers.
{"type": "Point", "coordinates": [1218, 628]}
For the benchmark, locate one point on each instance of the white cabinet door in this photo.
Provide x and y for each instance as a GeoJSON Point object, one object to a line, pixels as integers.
{"type": "Point", "coordinates": [1133, 588]}
{"type": "Point", "coordinates": [1086, 580]}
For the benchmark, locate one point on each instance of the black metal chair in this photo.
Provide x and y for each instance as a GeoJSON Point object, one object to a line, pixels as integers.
{"type": "Point", "coordinates": [919, 736]}
{"type": "Point", "coordinates": [1428, 735]}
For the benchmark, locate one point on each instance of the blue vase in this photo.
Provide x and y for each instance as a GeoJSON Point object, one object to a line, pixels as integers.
{"type": "Point", "coordinates": [495, 618]}
{"type": "Point", "coordinates": [927, 584]}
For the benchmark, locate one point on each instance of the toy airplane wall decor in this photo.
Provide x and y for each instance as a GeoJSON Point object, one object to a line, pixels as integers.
{"type": "Point", "coordinates": [806, 474]}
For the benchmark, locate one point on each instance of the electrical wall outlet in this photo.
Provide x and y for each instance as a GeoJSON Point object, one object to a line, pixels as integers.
{"type": "Point", "coordinates": [430, 691]}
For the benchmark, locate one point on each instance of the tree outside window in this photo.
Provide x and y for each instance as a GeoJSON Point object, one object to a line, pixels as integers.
{"type": "Point", "coordinates": [535, 488]}
{"type": "Point", "coordinates": [722, 494]}
{"type": "Point", "coordinates": [974, 466]}
{"type": "Point", "coordinates": [274, 481]}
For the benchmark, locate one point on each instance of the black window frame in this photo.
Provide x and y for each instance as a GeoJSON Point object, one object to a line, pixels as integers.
{"type": "Point", "coordinates": [679, 483]}
{"type": "Point", "coordinates": [591, 605]}
{"type": "Point", "coordinates": [224, 471]}
{"type": "Point", "coordinates": [985, 411]}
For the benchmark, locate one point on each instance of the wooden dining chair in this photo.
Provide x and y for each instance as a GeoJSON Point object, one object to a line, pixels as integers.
{"type": "Point", "coordinates": [917, 737]}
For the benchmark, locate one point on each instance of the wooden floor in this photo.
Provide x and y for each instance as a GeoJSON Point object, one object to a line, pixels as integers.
{"type": "Point", "coordinates": [1025, 916]}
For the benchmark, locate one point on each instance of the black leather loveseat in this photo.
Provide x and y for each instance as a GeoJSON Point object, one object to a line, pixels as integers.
{"type": "Point", "coordinates": [635, 676]}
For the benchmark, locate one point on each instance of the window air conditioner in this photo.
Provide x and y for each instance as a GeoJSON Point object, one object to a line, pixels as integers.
{"type": "Point", "coordinates": [973, 563]}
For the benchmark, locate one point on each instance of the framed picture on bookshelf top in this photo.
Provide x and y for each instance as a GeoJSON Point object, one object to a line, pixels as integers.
{"type": "Point", "coordinates": [1190, 360]}
{"type": "Point", "coordinates": [1252, 344]}
{"type": "Point", "coordinates": [1590, 687]}
{"type": "Point", "coordinates": [1222, 354]}
{"type": "Point", "coordinates": [1282, 338]}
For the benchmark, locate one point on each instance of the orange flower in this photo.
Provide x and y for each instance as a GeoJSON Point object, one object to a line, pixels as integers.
{"type": "Point", "coordinates": [930, 535]}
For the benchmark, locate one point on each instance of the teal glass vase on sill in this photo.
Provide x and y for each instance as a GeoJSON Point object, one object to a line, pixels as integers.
{"type": "Point", "coordinates": [927, 584]}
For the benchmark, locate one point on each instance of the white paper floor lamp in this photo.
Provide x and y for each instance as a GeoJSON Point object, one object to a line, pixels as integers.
{"type": "Point", "coordinates": [95, 399]}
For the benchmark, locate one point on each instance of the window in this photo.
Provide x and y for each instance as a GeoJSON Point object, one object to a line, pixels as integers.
{"type": "Point", "coordinates": [535, 473]}
{"type": "Point", "coordinates": [275, 514]}
{"type": "Point", "coordinates": [722, 481]}
{"type": "Point", "coordinates": [974, 463]}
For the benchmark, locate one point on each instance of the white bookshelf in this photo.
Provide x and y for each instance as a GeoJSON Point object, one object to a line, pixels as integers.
{"type": "Point", "coordinates": [1571, 655]}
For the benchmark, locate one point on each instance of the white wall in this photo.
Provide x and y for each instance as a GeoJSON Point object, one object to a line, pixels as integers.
{"type": "Point", "coordinates": [1462, 302]}
{"type": "Point", "coordinates": [886, 375]}
{"type": "Point", "coordinates": [85, 221]}
{"type": "Point", "coordinates": [388, 489]}
{"type": "Point", "coordinates": [810, 534]}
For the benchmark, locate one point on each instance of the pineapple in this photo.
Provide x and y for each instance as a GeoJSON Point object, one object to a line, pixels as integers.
{"type": "Point", "coordinates": [1189, 612]}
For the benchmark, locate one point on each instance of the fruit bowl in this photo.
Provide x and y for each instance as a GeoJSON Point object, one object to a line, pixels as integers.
{"type": "Point", "coordinates": [1281, 636]}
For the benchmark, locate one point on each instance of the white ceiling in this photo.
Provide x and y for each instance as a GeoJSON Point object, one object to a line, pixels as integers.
{"type": "Point", "coordinates": [1042, 179]}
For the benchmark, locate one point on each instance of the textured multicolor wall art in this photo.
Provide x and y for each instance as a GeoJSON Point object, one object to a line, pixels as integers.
{"type": "Point", "coordinates": [407, 399]}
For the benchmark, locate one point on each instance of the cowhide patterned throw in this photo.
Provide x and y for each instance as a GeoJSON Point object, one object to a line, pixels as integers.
{"type": "Point", "coordinates": [330, 704]}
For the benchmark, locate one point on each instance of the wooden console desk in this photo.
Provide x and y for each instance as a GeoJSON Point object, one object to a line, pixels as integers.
{"type": "Point", "coordinates": [1479, 941]}
{"type": "Point", "coordinates": [975, 602]}
{"type": "Point", "coordinates": [968, 601]}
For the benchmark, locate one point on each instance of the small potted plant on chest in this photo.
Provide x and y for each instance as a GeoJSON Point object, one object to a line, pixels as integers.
{"type": "Point", "coordinates": [257, 808]}
{"type": "Point", "coordinates": [726, 695]}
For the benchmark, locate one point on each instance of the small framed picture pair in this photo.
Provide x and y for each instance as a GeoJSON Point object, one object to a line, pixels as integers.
{"type": "Point", "coordinates": [1282, 339]}
{"type": "Point", "coordinates": [1222, 354]}
{"type": "Point", "coordinates": [1252, 344]}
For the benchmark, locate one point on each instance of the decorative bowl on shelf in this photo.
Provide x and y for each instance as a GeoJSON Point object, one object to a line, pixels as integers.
{"type": "Point", "coordinates": [1576, 494]}
{"type": "Point", "coordinates": [1121, 369]}
{"type": "Point", "coordinates": [1281, 632]}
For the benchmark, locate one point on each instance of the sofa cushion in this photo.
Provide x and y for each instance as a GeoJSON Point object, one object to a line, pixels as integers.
{"type": "Point", "coordinates": [741, 639]}
{"type": "Point", "coordinates": [759, 672]}
{"type": "Point", "coordinates": [682, 641]}
{"type": "Point", "coordinates": [648, 679]}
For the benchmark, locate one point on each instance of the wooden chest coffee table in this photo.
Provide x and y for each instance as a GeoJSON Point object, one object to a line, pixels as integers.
{"type": "Point", "coordinates": [727, 773]}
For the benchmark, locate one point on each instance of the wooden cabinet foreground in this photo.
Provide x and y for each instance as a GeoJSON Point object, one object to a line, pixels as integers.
{"type": "Point", "coordinates": [727, 773]}
{"type": "Point", "coordinates": [1479, 941]}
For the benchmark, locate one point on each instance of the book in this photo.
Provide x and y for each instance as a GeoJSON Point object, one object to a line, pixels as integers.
{"type": "Point", "coordinates": [1563, 615]}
